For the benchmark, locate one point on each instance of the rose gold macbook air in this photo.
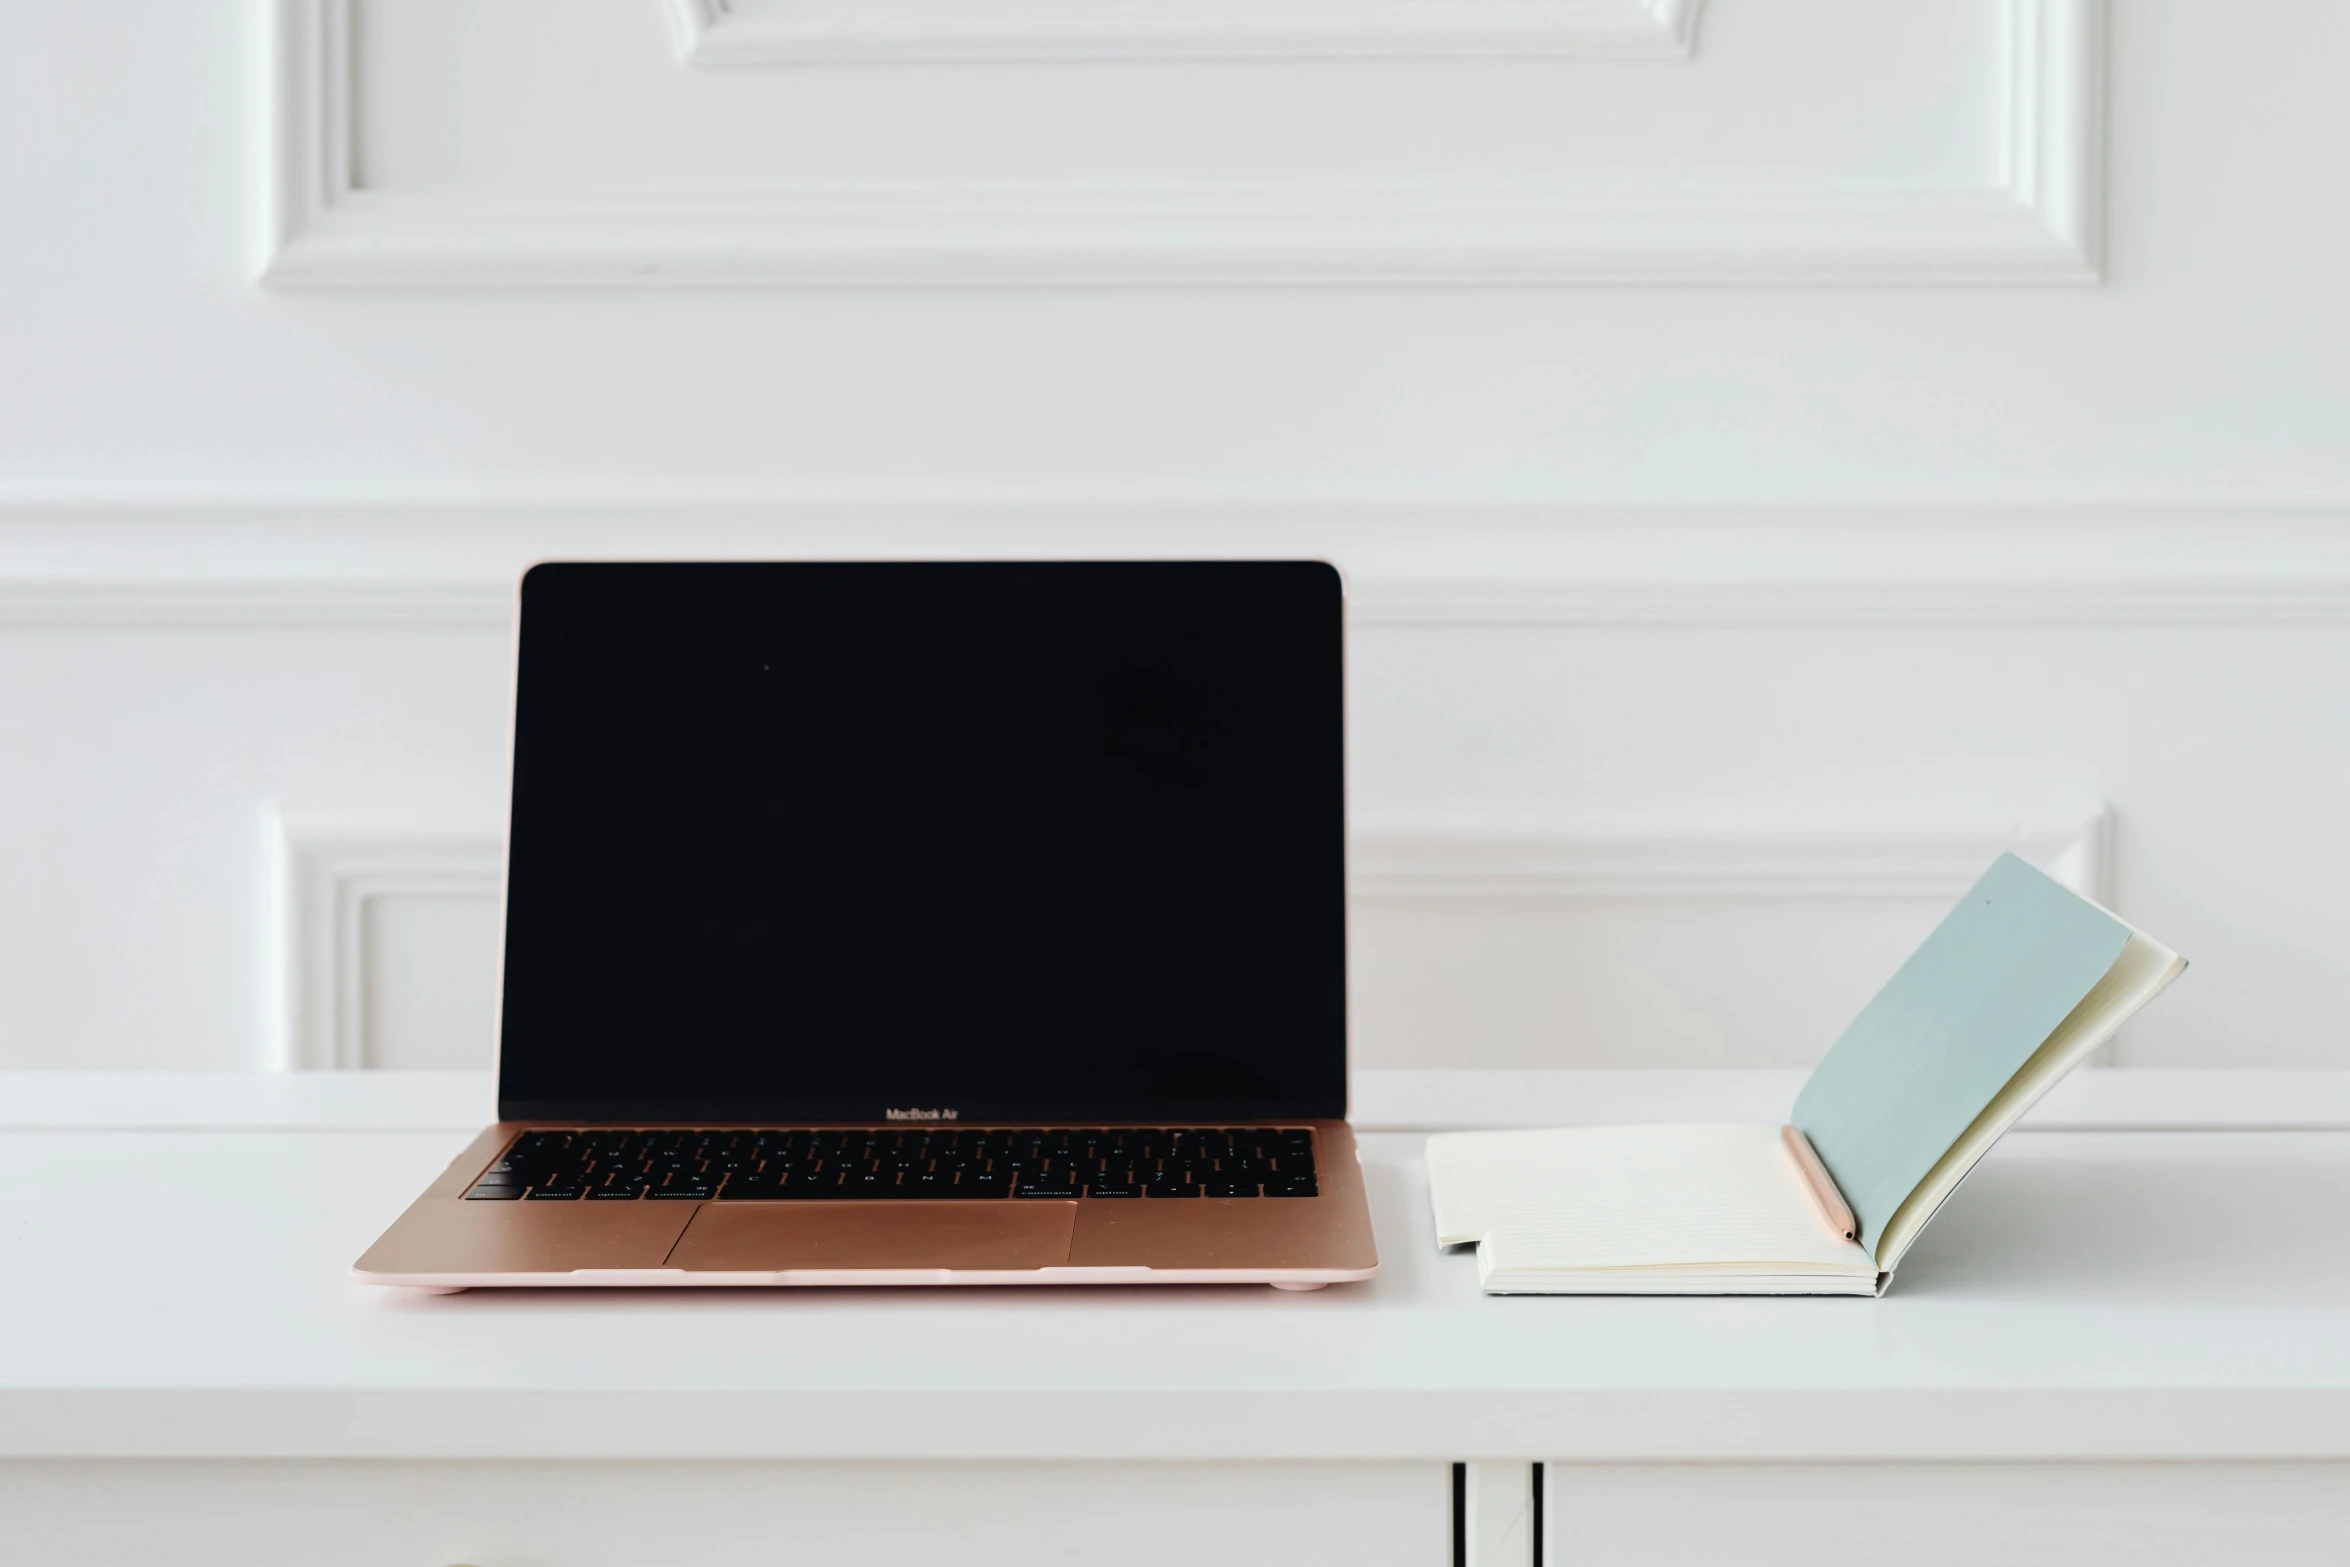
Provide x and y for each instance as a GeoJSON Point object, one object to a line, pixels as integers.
{"type": "Point", "coordinates": [917, 923]}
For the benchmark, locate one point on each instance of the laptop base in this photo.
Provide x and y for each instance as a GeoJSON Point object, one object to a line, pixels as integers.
{"type": "Point", "coordinates": [446, 1242]}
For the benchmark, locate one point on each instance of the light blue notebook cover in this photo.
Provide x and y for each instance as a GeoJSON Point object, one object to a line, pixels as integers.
{"type": "Point", "coordinates": [1946, 1033]}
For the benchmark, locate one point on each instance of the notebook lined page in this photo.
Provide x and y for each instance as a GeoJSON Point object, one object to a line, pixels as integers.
{"type": "Point", "coordinates": [1631, 1197]}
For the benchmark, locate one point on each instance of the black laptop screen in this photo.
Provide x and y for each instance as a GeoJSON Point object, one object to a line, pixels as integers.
{"type": "Point", "coordinates": [1012, 840]}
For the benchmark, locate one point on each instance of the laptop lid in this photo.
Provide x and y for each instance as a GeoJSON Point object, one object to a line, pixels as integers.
{"type": "Point", "coordinates": [1011, 840]}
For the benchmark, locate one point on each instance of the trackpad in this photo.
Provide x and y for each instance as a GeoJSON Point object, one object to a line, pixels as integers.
{"type": "Point", "coordinates": [763, 1237]}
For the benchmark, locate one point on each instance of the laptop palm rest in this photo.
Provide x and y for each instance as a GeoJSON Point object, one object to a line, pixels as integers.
{"type": "Point", "coordinates": [774, 1237]}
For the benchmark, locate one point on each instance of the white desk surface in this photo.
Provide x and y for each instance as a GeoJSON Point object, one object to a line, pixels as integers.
{"type": "Point", "coordinates": [176, 1287]}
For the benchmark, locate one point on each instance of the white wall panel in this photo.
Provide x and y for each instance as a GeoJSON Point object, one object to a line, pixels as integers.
{"type": "Point", "coordinates": [1896, 557]}
{"type": "Point", "coordinates": [1601, 818]}
{"type": "Point", "coordinates": [757, 33]}
{"type": "Point", "coordinates": [431, 961]}
{"type": "Point", "coordinates": [2207, 367]}
{"type": "Point", "coordinates": [389, 942]}
{"type": "Point", "coordinates": [543, 142]}
{"type": "Point", "coordinates": [1728, 941]}
{"type": "Point", "coordinates": [139, 920]}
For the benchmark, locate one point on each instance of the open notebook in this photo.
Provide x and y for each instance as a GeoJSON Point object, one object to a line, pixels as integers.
{"type": "Point", "coordinates": [2021, 981]}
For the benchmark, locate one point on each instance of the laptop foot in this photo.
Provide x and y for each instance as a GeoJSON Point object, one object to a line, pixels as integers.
{"type": "Point", "coordinates": [437, 1289]}
{"type": "Point", "coordinates": [1288, 1284]}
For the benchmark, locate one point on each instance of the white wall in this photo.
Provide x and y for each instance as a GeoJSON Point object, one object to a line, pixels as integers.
{"type": "Point", "coordinates": [1781, 454]}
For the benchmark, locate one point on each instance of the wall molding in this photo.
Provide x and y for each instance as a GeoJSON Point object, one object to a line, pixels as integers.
{"type": "Point", "coordinates": [2038, 221]}
{"type": "Point", "coordinates": [1884, 603]}
{"type": "Point", "coordinates": [265, 559]}
{"type": "Point", "coordinates": [1374, 604]}
{"type": "Point", "coordinates": [254, 604]}
{"type": "Point", "coordinates": [327, 879]}
{"type": "Point", "coordinates": [1726, 859]}
{"type": "Point", "coordinates": [746, 33]}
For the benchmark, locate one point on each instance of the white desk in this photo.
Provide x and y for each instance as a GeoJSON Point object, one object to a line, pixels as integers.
{"type": "Point", "coordinates": [186, 1373]}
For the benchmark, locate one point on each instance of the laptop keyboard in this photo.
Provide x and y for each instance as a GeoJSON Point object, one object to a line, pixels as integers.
{"type": "Point", "coordinates": [1112, 1163]}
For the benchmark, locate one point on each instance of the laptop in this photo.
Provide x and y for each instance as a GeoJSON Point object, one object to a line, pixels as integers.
{"type": "Point", "coordinates": [917, 923]}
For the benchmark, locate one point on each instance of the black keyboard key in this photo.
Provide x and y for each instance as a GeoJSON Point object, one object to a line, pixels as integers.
{"type": "Point", "coordinates": [1170, 1189]}
{"type": "Point", "coordinates": [556, 1193]}
{"type": "Point", "coordinates": [1291, 1186]}
{"type": "Point", "coordinates": [629, 1193]}
{"type": "Point", "coordinates": [1104, 1192]}
{"type": "Point", "coordinates": [1228, 1188]}
{"type": "Point", "coordinates": [486, 1191]}
{"type": "Point", "coordinates": [740, 1188]}
{"type": "Point", "coordinates": [984, 1186]}
{"type": "Point", "coordinates": [816, 1188]}
{"type": "Point", "coordinates": [690, 1191]}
